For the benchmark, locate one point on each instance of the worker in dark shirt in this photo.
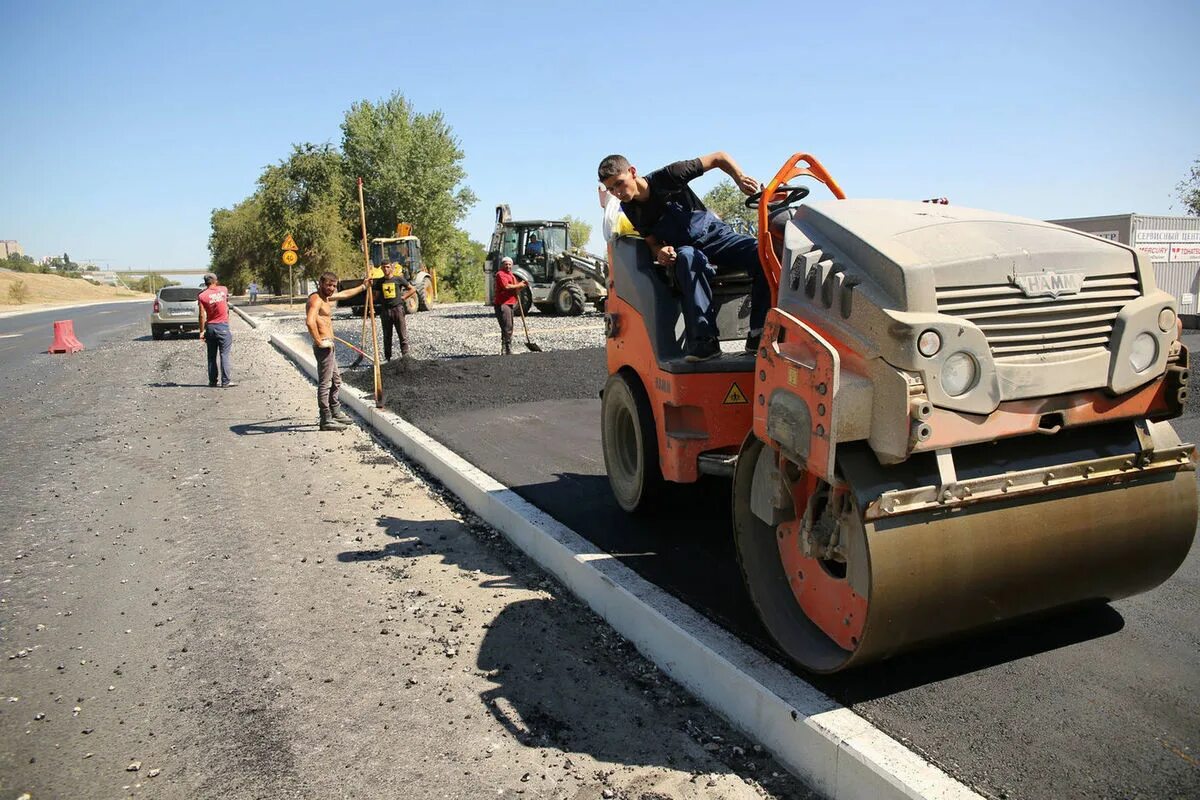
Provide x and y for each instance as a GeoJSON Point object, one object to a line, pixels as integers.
{"type": "Point", "coordinates": [394, 289]}
{"type": "Point", "coordinates": [684, 235]}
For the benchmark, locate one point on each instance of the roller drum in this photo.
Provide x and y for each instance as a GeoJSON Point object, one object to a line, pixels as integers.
{"type": "Point", "coordinates": [920, 577]}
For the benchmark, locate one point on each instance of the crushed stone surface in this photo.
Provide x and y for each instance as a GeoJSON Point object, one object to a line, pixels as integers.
{"type": "Point", "coordinates": [204, 596]}
{"type": "Point", "coordinates": [452, 331]}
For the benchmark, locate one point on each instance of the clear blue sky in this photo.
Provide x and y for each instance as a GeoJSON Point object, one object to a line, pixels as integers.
{"type": "Point", "coordinates": [125, 124]}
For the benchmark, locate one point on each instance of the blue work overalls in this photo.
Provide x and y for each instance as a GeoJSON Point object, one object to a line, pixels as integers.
{"type": "Point", "coordinates": [701, 240]}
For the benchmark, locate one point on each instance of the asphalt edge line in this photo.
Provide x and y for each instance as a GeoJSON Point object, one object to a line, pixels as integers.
{"type": "Point", "coordinates": [839, 753]}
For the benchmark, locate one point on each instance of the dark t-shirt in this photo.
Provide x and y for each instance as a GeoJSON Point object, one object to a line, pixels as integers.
{"type": "Point", "coordinates": [669, 184]}
{"type": "Point", "coordinates": [392, 289]}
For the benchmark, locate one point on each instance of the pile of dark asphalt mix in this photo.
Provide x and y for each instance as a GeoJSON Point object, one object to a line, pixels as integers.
{"type": "Point", "coordinates": [422, 390]}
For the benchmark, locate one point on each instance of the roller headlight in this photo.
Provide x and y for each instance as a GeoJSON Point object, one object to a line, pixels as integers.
{"type": "Point", "coordinates": [959, 373]}
{"type": "Point", "coordinates": [1166, 319]}
{"type": "Point", "coordinates": [1143, 353]}
{"type": "Point", "coordinates": [929, 343]}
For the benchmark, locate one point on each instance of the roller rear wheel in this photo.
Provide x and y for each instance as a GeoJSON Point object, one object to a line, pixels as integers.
{"type": "Point", "coordinates": [630, 444]}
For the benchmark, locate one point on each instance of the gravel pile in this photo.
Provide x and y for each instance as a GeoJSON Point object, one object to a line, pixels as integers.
{"type": "Point", "coordinates": [466, 329]}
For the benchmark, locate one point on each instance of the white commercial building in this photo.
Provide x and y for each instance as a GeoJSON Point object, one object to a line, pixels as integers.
{"type": "Point", "coordinates": [1171, 243]}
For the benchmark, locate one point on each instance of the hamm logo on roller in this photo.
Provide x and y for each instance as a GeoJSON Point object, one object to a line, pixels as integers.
{"type": "Point", "coordinates": [1051, 284]}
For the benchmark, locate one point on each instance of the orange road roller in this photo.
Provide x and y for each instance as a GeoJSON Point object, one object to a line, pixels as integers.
{"type": "Point", "coordinates": [953, 418]}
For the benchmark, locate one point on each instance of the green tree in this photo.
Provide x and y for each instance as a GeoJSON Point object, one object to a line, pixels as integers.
{"type": "Point", "coordinates": [460, 269]}
{"type": "Point", "coordinates": [1189, 190]}
{"type": "Point", "coordinates": [22, 263]}
{"type": "Point", "coordinates": [240, 247]}
{"type": "Point", "coordinates": [579, 231]}
{"type": "Point", "coordinates": [306, 195]}
{"type": "Point", "coordinates": [411, 167]}
{"type": "Point", "coordinates": [727, 202]}
{"type": "Point", "coordinates": [151, 282]}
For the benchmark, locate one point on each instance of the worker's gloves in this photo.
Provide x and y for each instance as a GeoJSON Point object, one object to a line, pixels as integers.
{"type": "Point", "coordinates": [327, 343]}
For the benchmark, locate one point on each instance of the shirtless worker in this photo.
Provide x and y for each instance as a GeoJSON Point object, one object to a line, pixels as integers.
{"type": "Point", "coordinates": [320, 327]}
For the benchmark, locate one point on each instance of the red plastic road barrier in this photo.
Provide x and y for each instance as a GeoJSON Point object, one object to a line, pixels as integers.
{"type": "Point", "coordinates": [64, 338]}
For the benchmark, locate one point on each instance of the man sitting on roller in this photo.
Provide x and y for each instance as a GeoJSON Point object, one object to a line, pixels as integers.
{"type": "Point", "coordinates": [684, 235]}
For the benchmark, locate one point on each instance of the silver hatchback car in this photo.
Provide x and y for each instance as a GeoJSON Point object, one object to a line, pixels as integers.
{"type": "Point", "coordinates": [175, 309]}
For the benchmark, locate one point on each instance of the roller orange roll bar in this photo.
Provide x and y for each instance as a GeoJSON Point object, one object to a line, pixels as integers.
{"type": "Point", "coordinates": [799, 165]}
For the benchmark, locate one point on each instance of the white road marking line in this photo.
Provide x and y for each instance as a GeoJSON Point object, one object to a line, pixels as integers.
{"type": "Point", "coordinates": [10, 335]}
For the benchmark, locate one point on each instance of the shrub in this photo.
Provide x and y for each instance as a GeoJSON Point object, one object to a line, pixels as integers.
{"type": "Point", "coordinates": [18, 292]}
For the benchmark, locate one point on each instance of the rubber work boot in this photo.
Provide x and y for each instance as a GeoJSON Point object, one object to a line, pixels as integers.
{"type": "Point", "coordinates": [703, 350]}
{"type": "Point", "coordinates": [328, 423]}
{"type": "Point", "coordinates": [753, 340]}
{"type": "Point", "coordinates": [340, 416]}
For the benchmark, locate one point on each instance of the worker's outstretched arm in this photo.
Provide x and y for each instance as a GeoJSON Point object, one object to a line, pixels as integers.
{"type": "Point", "coordinates": [346, 294]}
{"type": "Point", "coordinates": [724, 162]}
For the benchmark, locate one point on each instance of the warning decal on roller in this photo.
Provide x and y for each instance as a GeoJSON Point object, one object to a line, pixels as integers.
{"type": "Point", "coordinates": [734, 396]}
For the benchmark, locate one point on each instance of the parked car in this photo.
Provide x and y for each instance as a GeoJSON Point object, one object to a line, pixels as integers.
{"type": "Point", "coordinates": [175, 309]}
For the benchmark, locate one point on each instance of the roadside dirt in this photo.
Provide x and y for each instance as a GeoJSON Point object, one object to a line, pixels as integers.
{"type": "Point", "coordinates": [207, 597]}
{"type": "Point", "coordinates": [47, 291]}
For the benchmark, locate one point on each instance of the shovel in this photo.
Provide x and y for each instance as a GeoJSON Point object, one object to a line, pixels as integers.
{"type": "Point", "coordinates": [361, 354]}
{"type": "Point", "coordinates": [533, 348]}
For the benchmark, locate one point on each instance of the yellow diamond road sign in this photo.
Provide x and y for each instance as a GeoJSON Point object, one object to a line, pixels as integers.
{"type": "Point", "coordinates": [289, 243]}
{"type": "Point", "coordinates": [289, 257]}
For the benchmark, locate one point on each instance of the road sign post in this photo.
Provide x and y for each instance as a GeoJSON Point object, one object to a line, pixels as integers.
{"type": "Point", "coordinates": [290, 258]}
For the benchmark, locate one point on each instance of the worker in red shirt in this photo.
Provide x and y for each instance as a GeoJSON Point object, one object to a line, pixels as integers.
{"type": "Point", "coordinates": [214, 328]}
{"type": "Point", "coordinates": [508, 286]}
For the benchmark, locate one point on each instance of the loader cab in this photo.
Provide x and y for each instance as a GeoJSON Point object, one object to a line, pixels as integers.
{"type": "Point", "coordinates": [533, 245]}
{"type": "Point", "coordinates": [405, 251]}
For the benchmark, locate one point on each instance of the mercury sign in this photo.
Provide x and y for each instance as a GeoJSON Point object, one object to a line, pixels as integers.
{"type": "Point", "coordinates": [1157, 253]}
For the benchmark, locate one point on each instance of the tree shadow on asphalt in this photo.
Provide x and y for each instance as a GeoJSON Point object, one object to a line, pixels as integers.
{"type": "Point", "coordinates": [561, 680]}
{"type": "Point", "coordinates": [686, 548]}
{"type": "Point", "coordinates": [268, 426]}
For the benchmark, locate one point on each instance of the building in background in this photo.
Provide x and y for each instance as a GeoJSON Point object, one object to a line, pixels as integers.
{"type": "Point", "coordinates": [1171, 243]}
{"type": "Point", "coordinates": [10, 247]}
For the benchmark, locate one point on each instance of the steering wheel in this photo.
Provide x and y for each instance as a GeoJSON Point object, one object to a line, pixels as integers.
{"type": "Point", "coordinates": [792, 194]}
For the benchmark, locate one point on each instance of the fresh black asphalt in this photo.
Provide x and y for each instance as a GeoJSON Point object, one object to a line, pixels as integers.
{"type": "Point", "coordinates": [1092, 703]}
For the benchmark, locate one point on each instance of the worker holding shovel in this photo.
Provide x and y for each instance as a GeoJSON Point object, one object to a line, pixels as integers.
{"type": "Point", "coordinates": [508, 287]}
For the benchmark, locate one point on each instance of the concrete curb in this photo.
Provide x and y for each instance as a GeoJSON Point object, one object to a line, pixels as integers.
{"type": "Point", "coordinates": [245, 317]}
{"type": "Point", "coordinates": [839, 753]}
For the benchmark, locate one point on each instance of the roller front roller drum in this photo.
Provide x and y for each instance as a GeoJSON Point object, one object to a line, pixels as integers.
{"type": "Point", "coordinates": [836, 589]}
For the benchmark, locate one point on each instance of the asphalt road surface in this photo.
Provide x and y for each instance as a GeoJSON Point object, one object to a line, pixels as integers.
{"type": "Point", "coordinates": [24, 335]}
{"type": "Point", "coordinates": [1094, 703]}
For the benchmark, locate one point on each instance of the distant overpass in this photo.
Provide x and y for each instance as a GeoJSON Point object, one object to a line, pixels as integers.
{"type": "Point", "coordinates": [144, 272]}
